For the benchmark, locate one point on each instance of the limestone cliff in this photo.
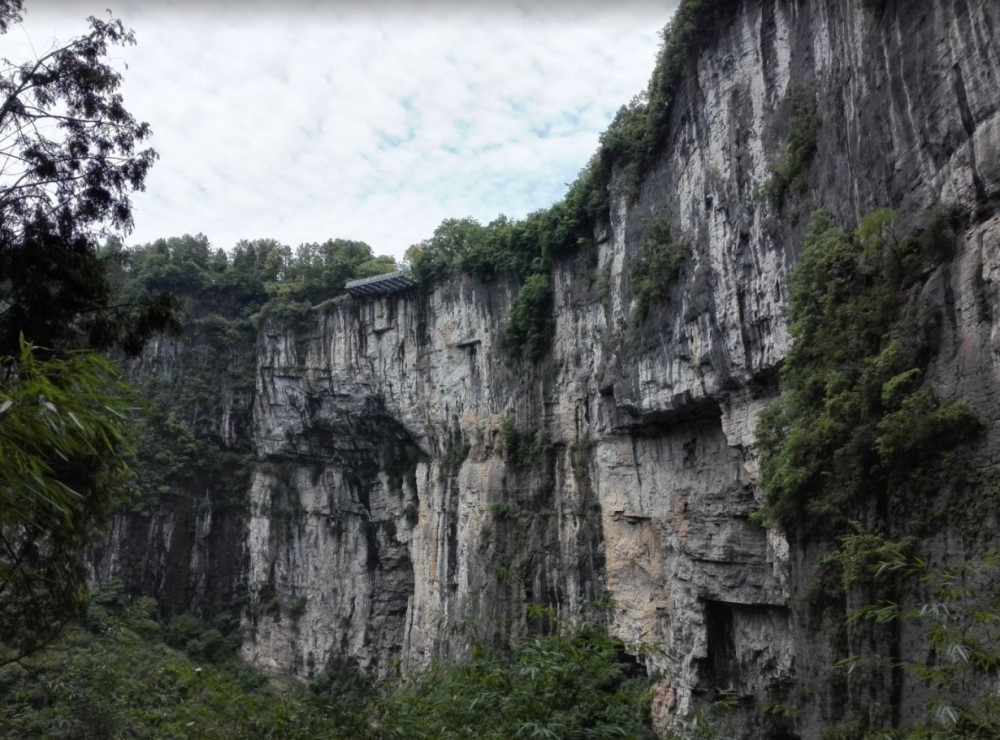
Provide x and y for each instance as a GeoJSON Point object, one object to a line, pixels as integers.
{"type": "Point", "coordinates": [417, 485]}
{"type": "Point", "coordinates": [185, 544]}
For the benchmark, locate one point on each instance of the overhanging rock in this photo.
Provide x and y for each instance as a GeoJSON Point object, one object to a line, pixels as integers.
{"type": "Point", "coordinates": [390, 282]}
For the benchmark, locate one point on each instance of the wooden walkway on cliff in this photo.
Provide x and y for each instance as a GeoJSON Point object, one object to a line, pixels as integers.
{"type": "Point", "coordinates": [390, 282]}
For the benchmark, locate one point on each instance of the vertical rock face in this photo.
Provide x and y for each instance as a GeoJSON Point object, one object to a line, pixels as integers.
{"type": "Point", "coordinates": [395, 514]}
{"type": "Point", "coordinates": [187, 545]}
{"type": "Point", "coordinates": [418, 486]}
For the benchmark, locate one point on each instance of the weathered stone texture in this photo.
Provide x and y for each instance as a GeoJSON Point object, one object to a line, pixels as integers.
{"type": "Point", "coordinates": [386, 524]}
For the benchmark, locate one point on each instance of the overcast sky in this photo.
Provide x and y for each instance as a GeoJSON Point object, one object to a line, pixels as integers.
{"type": "Point", "coordinates": [307, 121]}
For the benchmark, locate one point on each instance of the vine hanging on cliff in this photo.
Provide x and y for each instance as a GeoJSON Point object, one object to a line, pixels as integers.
{"type": "Point", "coordinates": [657, 265]}
{"type": "Point", "coordinates": [858, 429]}
{"type": "Point", "coordinates": [788, 169]}
{"type": "Point", "coordinates": [529, 328]}
{"type": "Point", "coordinates": [860, 450]}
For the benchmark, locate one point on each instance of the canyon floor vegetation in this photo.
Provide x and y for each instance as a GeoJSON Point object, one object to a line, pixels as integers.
{"type": "Point", "coordinates": [122, 673]}
{"type": "Point", "coordinates": [864, 453]}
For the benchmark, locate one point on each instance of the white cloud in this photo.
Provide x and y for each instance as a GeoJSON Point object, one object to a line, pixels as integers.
{"type": "Point", "coordinates": [369, 122]}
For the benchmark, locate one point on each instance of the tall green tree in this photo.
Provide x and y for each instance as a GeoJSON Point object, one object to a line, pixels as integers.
{"type": "Point", "coordinates": [70, 158]}
{"type": "Point", "coordinates": [317, 271]}
{"type": "Point", "coordinates": [62, 429]}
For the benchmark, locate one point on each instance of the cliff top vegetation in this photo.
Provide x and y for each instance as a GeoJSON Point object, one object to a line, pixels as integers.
{"type": "Point", "coordinates": [255, 275]}
{"type": "Point", "coordinates": [629, 146]}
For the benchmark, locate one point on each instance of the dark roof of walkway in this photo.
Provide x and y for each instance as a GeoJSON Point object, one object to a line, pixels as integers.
{"type": "Point", "coordinates": [391, 282]}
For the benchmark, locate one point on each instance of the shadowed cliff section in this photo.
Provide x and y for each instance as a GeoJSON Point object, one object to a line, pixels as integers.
{"type": "Point", "coordinates": [422, 478]}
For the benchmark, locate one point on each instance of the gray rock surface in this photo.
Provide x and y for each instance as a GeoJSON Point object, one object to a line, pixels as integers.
{"type": "Point", "coordinates": [388, 528]}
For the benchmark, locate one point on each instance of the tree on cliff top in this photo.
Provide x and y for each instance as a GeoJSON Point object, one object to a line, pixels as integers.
{"type": "Point", "coordinates": [69, 161]}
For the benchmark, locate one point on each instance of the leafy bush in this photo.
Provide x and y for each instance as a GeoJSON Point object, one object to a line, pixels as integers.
{"type": "Point", "coordinates": [506, 512]}
{"type": "Point", "coordinates": [120, 678]}
{"type": "Point", "coordinates": [64, 434]}
{"type": "Point", "coordinates": [789, 169]}
{"type": "Point", "coordinates": [254, 274]}
{"type": "Point", "coordinates": [555, 686]}
{"type": "Point", "coordinates": [856, 426]}
{"type": "Point", "coordinates": [657, 266]}
{"type": "Point", "coordinates": [957, 618]}
{"type": "Point", "coordinates": [455, 245]}
{"type": "Point", "coordinates": [860, 456]}
{"type": "Point", "coordinates": [691, 30]}
{"type": "Point", "coordinates": [529, 328]}
{"type": "Point", "coordinates": [520, 446]}
{"type": "Point", "coordinates": [344, 692]}
{"type": "Point", "coordinates": [453, 457]}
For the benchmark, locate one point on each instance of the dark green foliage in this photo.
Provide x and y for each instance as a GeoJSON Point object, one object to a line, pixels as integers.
{"type": "Point", "coordinates": [216, 643]}
{"type": "Point", "coordinates": [522, 248]}
{"type": "Point", "coordinates": [118, 677]}
{"type": "Point", "coordinates": [955, 608]}
{"type": "Point", "coordinates": [691, 30]}
{"type": "Point", "coordinates": [231, 286]}
{"type": "Point", "coordinates": [521, 446]}
{"type": "Point", "coordinates": [629, 137]}
{"type": "Point", "coordinates": [632, 139]}
{"type": "Point", "coordinates": [506, 247]}
{"type": "Point", "coordinates": [318, 271]}
{"type": "Point", "coordinates": [860, 446]}
{"type": "Point", "coordinates": [255, 275]}
{"type": "Point", "coordinates": [412, 514]}
{"type": "Point", "coordinates": [856, 426]}
{"type": "Point", "coordinates": [348, 695]}
{"type": "Point", "coordinates": [529, 328]}
{"type": "Point", "coordinates": [176, 460]}
{"type": "Point", "coordinates": [72, 159]}
{"type": "Point", "coordinates": [788, 171]}
{"type": "Point", "coordinates": [506, 512]}
{"type": "Point", "coordinates": [180, 445]}
{"type": "Point", "coordinates": [657, 265]}
{"type": "Point", "coordinates": [63, 433]}
{"type": "Point", "coordinates": [454, 456]}
{"type": "Point", "coordinates": [860, 450]}
{"type": "Point", "coordinates": [253, 267]}
{"type": "Point", "coordinates": [556, 686]}
{"type": "Point", "coordinates": [121, 674]}
{"type": "Point", "coordinates": [457, 244]}
{"type": "Point", "coordinates": [527, 247]}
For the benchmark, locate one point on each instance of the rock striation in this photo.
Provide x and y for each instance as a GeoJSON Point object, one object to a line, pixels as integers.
{"type": "Point", "coordinates": [417, 486]}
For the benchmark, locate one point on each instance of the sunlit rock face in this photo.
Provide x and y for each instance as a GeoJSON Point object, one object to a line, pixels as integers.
{"type": "Point", "coordinates": [389, 521]}
{"type": "Point", "coordinates": [400, 529]}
